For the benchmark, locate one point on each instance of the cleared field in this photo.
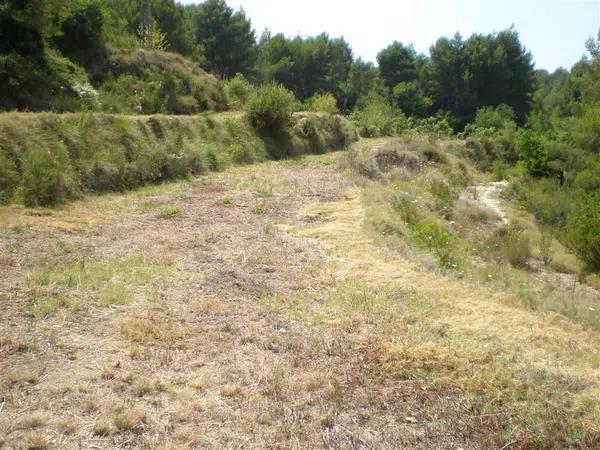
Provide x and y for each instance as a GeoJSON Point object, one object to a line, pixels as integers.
{"type": "Point", "coordinates": [252, 308]}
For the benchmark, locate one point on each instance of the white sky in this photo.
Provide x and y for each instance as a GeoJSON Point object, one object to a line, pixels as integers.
{"type": "Point", "coordinates": [555, 31]}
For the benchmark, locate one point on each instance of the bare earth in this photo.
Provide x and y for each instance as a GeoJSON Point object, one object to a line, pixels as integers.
{"type": "Point", "coordinates": [260, 316]}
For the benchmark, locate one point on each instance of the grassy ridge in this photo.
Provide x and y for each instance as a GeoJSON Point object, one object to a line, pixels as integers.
{"type": "Point", "coordinates": [49, 158]}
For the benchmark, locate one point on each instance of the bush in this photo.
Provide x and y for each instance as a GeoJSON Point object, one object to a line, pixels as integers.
{"type": "Point", "coordinates": [549, 202]}
{"type": "Point", "coordinates": [496, 118]}
{"type": "Point", "coordinates": [533, 154]}
{"type": "Point", "coordinates": [444, 198]}
{"type": "Point", "coordinates": [435, 126]}
{"type": "Point", "coordinates": [239, 90]}
{"type": "Point", "coordinates": [433, 236]}
{"type": "Point", "coordinates": [323, 103]}
{"type": "Point", "coordinates": [44, 180]}
{"type": "Point", "coordinates": [375, 116]}
{"type": "Point", "coordinates": [270, 109]}
{"type": "Point", "coordinates": [582, 230]}
{"type": "Point", "coordinates": [516, 246]}
{"type": "Point", "coordinates": [8, 178]}
{"type": "Point", "coordinates": [240, 154]}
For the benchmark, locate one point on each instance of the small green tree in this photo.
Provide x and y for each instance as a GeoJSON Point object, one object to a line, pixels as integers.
{"type": "Point", "coordinates": [323, 103]}
{"type": "Point", "coordinates": [151, 38]}
{"type": "Point", "coordinates": [582, 230]}
{"type": "Point", "coordinates": [44, 181]}
{"type": "Point", "coordinates": [433, 236]}
{"type": "Point", "coordinates": [497, 118]}
{"type": "Point", "coordinates": [409, 98]}
{"type": "Point", "coordinates": [239, 90]}
{"type": "Point", "coordinates": [270, 109]}
{"type": "Point", "coordinates": [533, 154]}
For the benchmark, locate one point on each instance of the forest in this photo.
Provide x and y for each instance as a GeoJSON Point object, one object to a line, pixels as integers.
{"type": "Point", "coordinates": [544, 128]}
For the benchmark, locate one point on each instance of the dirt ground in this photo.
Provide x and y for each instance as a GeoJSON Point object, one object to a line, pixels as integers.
{"type": "Point", "coordinates": [249, 309]}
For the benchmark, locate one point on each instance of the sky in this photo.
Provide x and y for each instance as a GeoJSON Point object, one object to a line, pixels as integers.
{"type": "Point", "coordinates": [554, 31]}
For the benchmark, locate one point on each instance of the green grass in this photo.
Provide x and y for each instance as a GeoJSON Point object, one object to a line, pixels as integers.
{"type": "Point", "coordinates": [107, 282]}
{"type": "Point", "coordinates": [171, 211]}
{"type": "Point", "coordinates": [259, 208]}
{"type": "Point", "coordinates": [47, 159]}
{"type": "Point", "coordinates": [539, 295]}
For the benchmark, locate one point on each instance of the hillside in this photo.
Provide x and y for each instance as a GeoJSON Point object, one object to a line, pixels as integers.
{"type": "Point", "coordinates": [287, 305]}
{"type": "Point", "coordinates": [47, 159]}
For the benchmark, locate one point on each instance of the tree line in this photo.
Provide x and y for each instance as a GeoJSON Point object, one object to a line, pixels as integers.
{"type": "Point", "coordinates": [456, 78]}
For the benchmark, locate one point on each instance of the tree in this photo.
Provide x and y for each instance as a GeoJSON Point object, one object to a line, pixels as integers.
{"type": "Point", "coordinates": [397, 64]}
{"type": "Point", "coordinates": [410, 99]}
{"type": "Point", "coordinates": [446, 82]}
{"type": "Point", "coordinates": [81, 34]}
{"type": "Point", "coordinates": [582, 230]}
{"type": "Point", "coordinates": [500, 71]}
{"type": "Point", "coordinates": [227, 37]}
{"type": "Point", "coordinates": [363, 78]}
{"type": "Point", "coordinates": [306, 66]}
{"type": "Point", "coordinates": [151, 37]}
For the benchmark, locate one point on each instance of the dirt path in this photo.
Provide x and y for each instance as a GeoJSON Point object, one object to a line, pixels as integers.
{"type": "Point", "coordinates": [261, 316]}
{"type": "Point", "coordinates": [488, 196]}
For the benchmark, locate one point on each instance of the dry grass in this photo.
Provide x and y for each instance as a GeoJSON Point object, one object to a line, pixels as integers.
{"type": "Point", "coordinates": [126, 419]}
{"type": "Point", "coordinates": [67, 426]}
{"type": "Point", "coordinates": [294, 328]}
{"type": "Point", "coordinates": [32, 421]}
{"type": "Point", "coordinates": [103, 428]}
{"type": "Point", "coordinates": [36, 441]}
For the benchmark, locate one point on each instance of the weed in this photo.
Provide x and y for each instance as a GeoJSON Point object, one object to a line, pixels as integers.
{"type": "Point", "coordinates": [434, 237]}
{"type": "Point", "coordinates": [516, 246]}
{"type": "Point", "coordinates": [115, 293]}
{"type": "Point", "coordinates": [67, 426]}
{"type": "Point", "coordinates": [546, 246]}
{"type": "Point", "coordinates": [45, 306]}
{"type": "Point", "coordinates": [226, 200]}
{"type": "Point", "coordinates": [32, 421]}
{"type": "Point", "coordinates": [142, 387]}
{"type": "Point", "coordinates": [231, 390]}
{"type": "Point", "coordinates": [171, 211]}
{"type": "Point", "coordinates": [108, 282]}
{"type": "Point", "coordinates": [259, 208]}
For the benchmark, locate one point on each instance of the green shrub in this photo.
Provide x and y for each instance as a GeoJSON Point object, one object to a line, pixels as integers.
{"type": "Point", "coordinates": [589, 178]}
{"type": "Point", "coordinates": [8, 178]}
{"type": "Point", "coordinates": [240, 154]}
{"type": "Point", "coordinates": [171, 211]}
{"type": "Point", "coordinates": [434, 126]}
{"type": "Point", "coordinates": [495, 118]}
{"type": "Point", "coordinates": [238, 89]}
{"type": "Point", "coordinates": [433, 236]}
{"type": "Point", "coordinates": [549, 202]}
{"type": "Point", "coordinates": [444, 198]}
{"type": "Point", "coordinates": [323, 103]}
{"type": "Point", "coordinates": [375, 116]}
{"type": "Point", "coordinates": [405, 206]}
{"type": "Point", "coordinates": [44, 180]}
{"type": "Point", "coordinates": [516, 246]}
{"type": "Point", "coordinates": [533, 153]}
{"type": "Point", "coordinates": [582, 230]}
{"type": "Point", "coordinates": [270, 109]}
